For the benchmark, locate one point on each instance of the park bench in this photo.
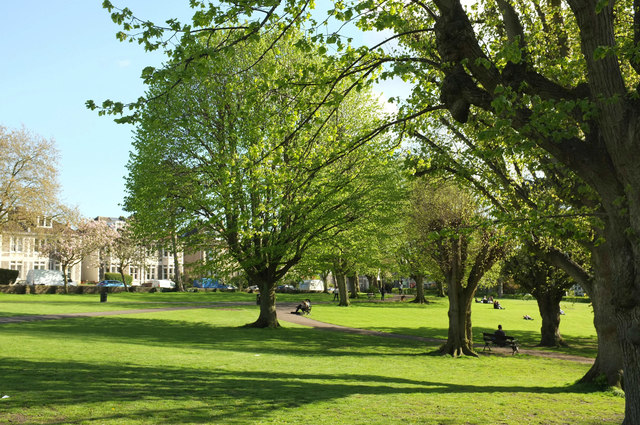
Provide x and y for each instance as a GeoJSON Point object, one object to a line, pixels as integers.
{"type": "Point", "coordinates": [371, 295]}
{"type": "Point", "coordinates": [496, 341]}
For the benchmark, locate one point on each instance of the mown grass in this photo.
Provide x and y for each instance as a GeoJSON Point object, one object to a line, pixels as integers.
{"type": "Point", "coordinates": [200, 366]}
{"type": "Point", "coordinates": [30, 304]}
{"type": "Point", "coordinates": [431, 321]}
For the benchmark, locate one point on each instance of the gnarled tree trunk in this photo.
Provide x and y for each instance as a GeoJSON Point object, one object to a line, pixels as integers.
{"type": "Point", "coordinates": [549, 306]}
{"type": "Point", "coordinates": [460, 335]}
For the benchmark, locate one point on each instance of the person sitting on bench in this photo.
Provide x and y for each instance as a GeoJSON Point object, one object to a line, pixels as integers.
{"type": "Point", "coordinates": [500, 333]}
{"type": "Point", "coordinates": [304, 307]}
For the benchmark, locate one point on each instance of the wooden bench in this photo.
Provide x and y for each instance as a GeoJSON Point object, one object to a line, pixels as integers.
{"type": "Point", "coordinates": [496, 341]}
{"type": "Point", "coordinates": [371, 295]}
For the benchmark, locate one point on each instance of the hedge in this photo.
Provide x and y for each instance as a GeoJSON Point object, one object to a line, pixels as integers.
{"type": "Point", "coordinates": [117, 276]}
{"type": "Point", "coordinates": [8, 277]}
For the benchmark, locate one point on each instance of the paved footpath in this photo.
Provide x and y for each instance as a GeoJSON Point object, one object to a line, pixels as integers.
{"type": "Point", "coordinates": [284, 313]}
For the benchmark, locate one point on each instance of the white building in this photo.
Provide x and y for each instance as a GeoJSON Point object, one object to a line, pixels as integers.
{"type": "Point", "coordinates": [19, 247]}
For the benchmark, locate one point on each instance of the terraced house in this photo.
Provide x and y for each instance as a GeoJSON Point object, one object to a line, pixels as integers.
{"type": "Point", "coordinates": [21, 242]}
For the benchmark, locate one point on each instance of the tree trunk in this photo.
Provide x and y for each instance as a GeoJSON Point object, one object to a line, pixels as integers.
{"type": "Point", "coordinates": [419, 299]}
{"type": "Point", "coordinates": [176, 264]}
{"type": "Point", "coordinates": [628, 326]}
{"type": "Point", "coordinates": [268, 317]}
{"type": "Point", "coordinates": [325, 284]}
{"type": "Point", "coordinates": [549, 306]}
{"type": "Point", "coordinates": [460, 335]}
{"type": "Point", "coordinates": [440, 289]}
{"type": "Point", "coordinates": [341, 279]}
{"type": "Point", "coordinates": [64, 277]}
{"type": "Point", "coordinates": [124, 281]}
{"type": "Point", "coordinates": [609, 360]}
{"type": "Point", "coordinates": [354, 285]}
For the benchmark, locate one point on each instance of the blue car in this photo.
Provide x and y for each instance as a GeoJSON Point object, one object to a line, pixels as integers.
{"type": "Point", "coordinates": [110, 283]}
{"type": "Point", "coordinates": [208, 283]}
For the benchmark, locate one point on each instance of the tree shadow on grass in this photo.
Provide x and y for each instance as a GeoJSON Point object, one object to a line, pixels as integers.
{"type": "Point", "coordinates": [175, 395]}
{"type": "Point", "coordinates": [203, 336]}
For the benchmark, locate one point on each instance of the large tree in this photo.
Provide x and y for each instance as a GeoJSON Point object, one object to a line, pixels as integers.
{"type": "Point", "coordinates": [560, 78]}
{"type": "Point", "coordinates": [28, 175]}
{"type": "Point", "coordinates": [447, 218]}
{"type": "Point", "coordinates": [225, 136]}
{"type": "Point", "coordinates": [547, 284]}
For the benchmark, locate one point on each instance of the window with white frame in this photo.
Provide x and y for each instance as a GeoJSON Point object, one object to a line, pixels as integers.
{"type": "Point", "coordinates": [54, 265]}
{"type": "Point", "coordinates": [16, 244]}
{"type": "Point", "coordinates": [45, 222]}
{"type": "Point", "coordinates": [38, 245]}
{"type": "Point", "coordinates": [167, 271]}
{"type": "Point", "coordinates": [40, 265]}
{"type": "Point", "coordinates": [151, 272]}
{"type": "Point", "coordinates": [16, 265]}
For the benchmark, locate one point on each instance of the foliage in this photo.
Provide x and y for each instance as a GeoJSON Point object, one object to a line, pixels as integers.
{"type": "Point", "coordinates": [8, 276]}
{"type": "Point", "coordinates": [28, 174]}
{"type": "Point", "coordinates": [127, 250]}
{"type": "Point", "coordinates": [117, 276]}
{"type": "Point", "coordinates": [77, 239]}
{"type": "Point", "coordinates": [224, 138]}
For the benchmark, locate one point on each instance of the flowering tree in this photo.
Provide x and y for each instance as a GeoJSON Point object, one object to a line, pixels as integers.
{"type": "Point", "coordinates": [76, 241]}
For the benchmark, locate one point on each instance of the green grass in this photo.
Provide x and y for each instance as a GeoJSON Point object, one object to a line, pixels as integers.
{"type": "Point", "coordinates": [431, 321]}
{"type": "Point", "coordinates": [199, 366]}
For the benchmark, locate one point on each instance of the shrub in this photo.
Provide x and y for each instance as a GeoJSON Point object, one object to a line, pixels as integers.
{"type": "Point", "coordinates": [117, 276]}
{"type": "Point", "coordinates": [7, 277]}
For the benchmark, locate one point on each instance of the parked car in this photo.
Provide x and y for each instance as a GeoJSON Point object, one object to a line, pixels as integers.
{"type": "Point", "coordinates": [253, 288]}
{"type": "Point", "coordinates": [207, 282]}
{"type": "Point", "coordinates": [311, 285]}
{"type": "Point", "coordinates": [47, 277]}
{"type": "Point", "coordinates": [285, 288]}
{"type": "Point", "coordinates": [110, 283]}
{"type": "Point", "coordinates": [161, 283]}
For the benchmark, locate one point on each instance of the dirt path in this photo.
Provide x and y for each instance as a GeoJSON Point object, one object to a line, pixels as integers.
{"type": "Point", "coordinates": [284, 313]}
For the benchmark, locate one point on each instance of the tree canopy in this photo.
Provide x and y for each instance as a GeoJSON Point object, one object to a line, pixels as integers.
{"type": "Point", "coordinates": [223, 144]}
{"type": "Point", "coordinates": [557, 77]}
{"type": "Point", "coordinates": [28, 175]}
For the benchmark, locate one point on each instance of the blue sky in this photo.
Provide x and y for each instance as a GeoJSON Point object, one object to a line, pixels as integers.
{"type": "Point", "coordinates": [58, 54]}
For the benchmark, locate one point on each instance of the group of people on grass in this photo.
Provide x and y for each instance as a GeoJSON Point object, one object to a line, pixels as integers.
{"type": "Point", "coordinates": [490, 300]}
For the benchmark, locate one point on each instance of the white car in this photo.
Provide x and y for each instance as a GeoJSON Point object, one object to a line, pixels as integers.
{"type": "Point", "coordinates": [162, 283]}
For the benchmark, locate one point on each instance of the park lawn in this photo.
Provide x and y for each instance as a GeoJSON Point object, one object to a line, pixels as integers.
{"type": "Point", "coordinates": [431, 320]}
{"type": "Point", "coordinates": [31, 304]}
{"type": "Point", "coordinates": [199, 366]}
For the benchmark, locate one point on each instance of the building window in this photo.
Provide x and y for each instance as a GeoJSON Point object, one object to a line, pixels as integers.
{"type": "Point", "coordinates": [16, 265]}
{"type": "Point", "coordinates": [16, 244]}
{"type": "Point", "coordinates": [151, 272]}
{"type": "Point", "coordinates": [39, 265]}
{"type": "Point", "coordinates": [45, 222]}
{"type": "Point", "coordinates": [54, 265]}
{"type": "Point", "coordinates": [38, 245]}
{"type": "Point", "coordinates": [167, 271]}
